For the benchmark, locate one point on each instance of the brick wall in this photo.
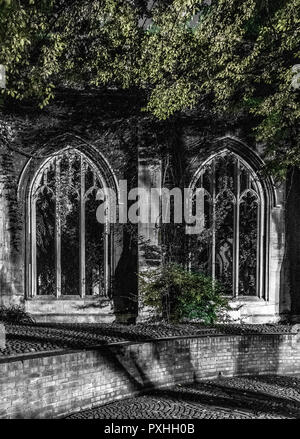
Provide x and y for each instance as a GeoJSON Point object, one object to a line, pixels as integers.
{"type": "Point", "coordinates": [53, 385]}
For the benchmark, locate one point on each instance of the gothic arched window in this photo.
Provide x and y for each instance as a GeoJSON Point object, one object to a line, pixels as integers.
{"type": "Point", "coordinates": [230, 248]}
{"type": "Point", "coordinates": [69, 248]}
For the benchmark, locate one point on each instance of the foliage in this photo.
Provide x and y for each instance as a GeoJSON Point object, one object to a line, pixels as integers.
{"type": "Point", "coordinates": [176, 294]}
{"type": "Point", "coordinates": [14, 314]}
{"type": "Point", "coordinates": [236, 55]}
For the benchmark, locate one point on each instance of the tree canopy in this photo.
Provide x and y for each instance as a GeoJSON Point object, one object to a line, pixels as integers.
{"type": "Point", "coordinates": [238, 55]}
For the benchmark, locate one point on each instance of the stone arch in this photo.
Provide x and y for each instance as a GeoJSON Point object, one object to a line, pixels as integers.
{"type": "Point", "coordinates": [90, 158]}
{"type": "Point", "coordinates": [261, 189]}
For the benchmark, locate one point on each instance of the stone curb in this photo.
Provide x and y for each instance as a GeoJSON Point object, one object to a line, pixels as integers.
{"type": "Point", "coordinates": [58, 352]}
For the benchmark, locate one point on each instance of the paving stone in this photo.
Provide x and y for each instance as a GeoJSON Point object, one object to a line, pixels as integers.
{"type": "Point", "coordinates": [253, 397]}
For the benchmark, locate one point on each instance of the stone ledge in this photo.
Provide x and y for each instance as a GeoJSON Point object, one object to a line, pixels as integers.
{"type": "Point", "coordinates": [294, 336]}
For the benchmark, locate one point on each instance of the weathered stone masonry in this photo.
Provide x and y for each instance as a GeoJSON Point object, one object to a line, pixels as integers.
{"type": "Point", "coordinates": [146, 152]}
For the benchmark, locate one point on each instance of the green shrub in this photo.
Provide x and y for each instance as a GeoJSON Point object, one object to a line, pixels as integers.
{"type": "Point", "coordinates": [176, 294]}
{"type": "Point", "coordinates": [14, 314]}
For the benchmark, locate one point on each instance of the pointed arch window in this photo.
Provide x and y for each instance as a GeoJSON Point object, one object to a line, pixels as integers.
{"type": "Point", "coordinates": [70, 250]}
{"type": "Point", "coordinates": [231, 246]}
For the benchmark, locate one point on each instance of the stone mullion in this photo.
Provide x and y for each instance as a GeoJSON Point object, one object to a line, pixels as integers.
{"type": "Point", "coordinates": [107, 258]}
{"type": "Point", "coordinates": [82, 229]}
{"type": "Point", "coordinates": [58, 228]}
{"type": "Point", "coordinates": [33, 249]}
{"type": "Point", "coordinates": [259, 250]}
{"type": "Point", "coordinates": [108, 251]}
{"type": "Point", "coordinates": [236, 233]}
{"type": "Point", "coordinates": [213, 250]}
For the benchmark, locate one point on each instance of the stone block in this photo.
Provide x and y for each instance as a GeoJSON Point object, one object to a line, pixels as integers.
{"type": "Point", "coordinates": [296, 328]}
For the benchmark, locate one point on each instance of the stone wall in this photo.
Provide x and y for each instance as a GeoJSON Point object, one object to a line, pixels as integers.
{"type": "Point", "coordinates": [53, 385]}
{"type": "Point", "coordinates": [293, 238]}
{"type": "Point", "coordinates": [81, 120]}
{"type": "Point", "coordinates": [140, 150]}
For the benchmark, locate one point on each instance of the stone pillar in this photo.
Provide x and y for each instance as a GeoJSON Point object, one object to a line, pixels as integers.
{"type": "Point", "coordinates": [11, 264]}
{"type": "Point", "coordinates": [149, 177]}
{"type": "Point", "coordinates": [149, 255]}
{"type": "Point", "coordinates": [293, 240]}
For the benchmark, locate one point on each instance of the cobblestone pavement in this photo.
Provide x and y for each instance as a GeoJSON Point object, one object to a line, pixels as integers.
{"type": "Point", "coordinates": [255, 397]}
{"type": "Point", "coordinates": [26, 338]}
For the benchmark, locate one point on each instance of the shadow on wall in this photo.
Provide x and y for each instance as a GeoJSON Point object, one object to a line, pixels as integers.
{"type": "Point", "coordinates": [293, 241]}
{"type": "Point", "coordinates": [166, 367]}
{"type": "Point", "coordinates": [257, 354]}
{"type": "Point", "coordinates": [125, 283]}
{"type": "Point", "coordinates": [281, 249]}
{"type": "Point", "coordinates": [174, 362]}
{"type": "Point", "coordinates": [133, 369]}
